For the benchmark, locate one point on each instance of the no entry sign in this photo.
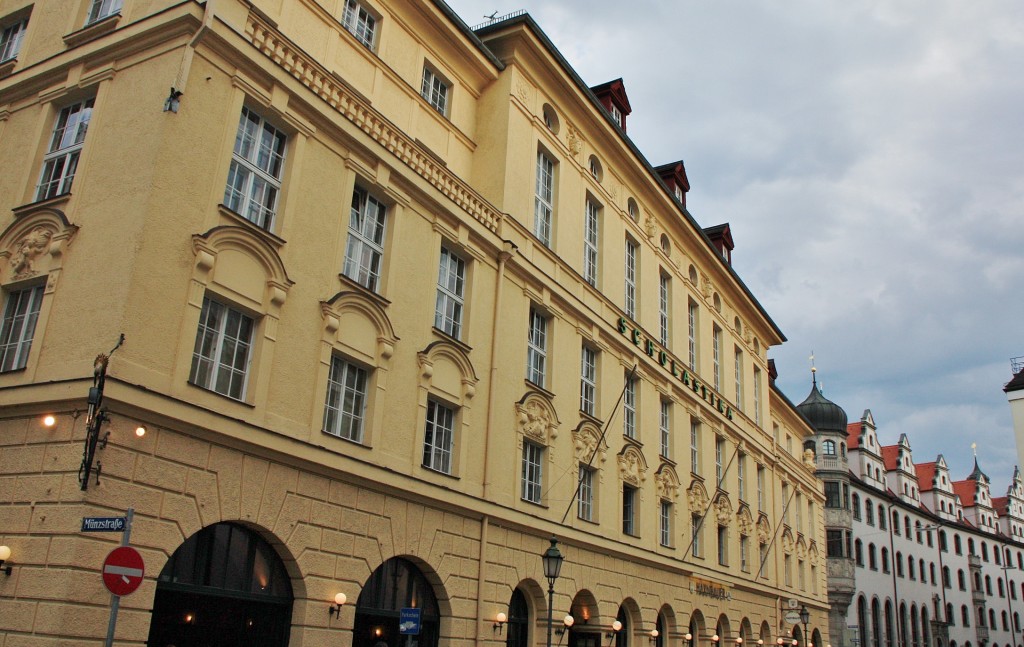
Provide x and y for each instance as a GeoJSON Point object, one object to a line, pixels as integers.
{"type": "Point", "coordinates": [122, 570]}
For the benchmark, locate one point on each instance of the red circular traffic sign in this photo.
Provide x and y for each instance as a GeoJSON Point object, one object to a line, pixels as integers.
{"type": "Point", "coordinates": [123, 570]}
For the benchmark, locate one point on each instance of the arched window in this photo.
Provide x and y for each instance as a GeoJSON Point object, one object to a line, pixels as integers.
{"type": "Point", "coordinates": [828, 448]}
{"type": "Point", "coordinates": [965, 616]}
{"type": "Point", "coordinates": [946, 582]}
{"type": "Point", "coordinates": [869, 512]}
{"type": "Point", "coordinates": [885, 560]}
{"type": "Point", "coordinates": [395, 585]}
{"type": "Point", "coordinates": [881, 516]}
{"type": "Point", "coordinates": [862, 616]}
{"type": "Point", "coordinates": [876, 625]}
{"type": "Point", "coordinates": [970, 545]}
{"type": "Point", "coordinates": [622, 636]}
{"type": "Point", "coordinates": [961, 580]}
{"type": "Point", "coordinates": [229, 568]}
{"type": "Point", "coordinates": [872, 557]}
{"type": "Point", "coordinates": [889, 632]}
{"type": "Point", "coordinates": [949, 614]}
{"type": "Point", "coordinates": [856, 506]}
{"type": "Point", "coordinates": [858, 552]}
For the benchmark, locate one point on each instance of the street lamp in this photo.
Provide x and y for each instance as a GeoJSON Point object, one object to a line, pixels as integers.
{"type": "Point", "coordinates": [552, 560]}
{"type": "Point", "coordinates": [805, 617]}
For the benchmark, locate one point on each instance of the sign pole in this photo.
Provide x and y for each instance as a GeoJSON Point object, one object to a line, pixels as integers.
{"type": "Point", "coordinates": [115, 600]}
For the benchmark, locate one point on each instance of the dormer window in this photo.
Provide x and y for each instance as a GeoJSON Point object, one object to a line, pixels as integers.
{"type": "Point", "coordinates": [678, 193]}
{"type": "Point", "coordinates": [617, 115]}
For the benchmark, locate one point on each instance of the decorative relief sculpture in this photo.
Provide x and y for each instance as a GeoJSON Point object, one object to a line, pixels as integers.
{"type": "Point", "coordinates": [697, 497]}
{"type": "Point", "coordinates": [667, 483]}
{"type": "Point", "coordinates": [787, 542]}
{"type": "Point", "coordinates": [706, 287]}
{"type": "Point", "coordinates": [809, 458]}
{"type": "Point", "coordinates": [27, 250]}
{"type": "Point", "coordinates": [535, 418]}
{"type": "Point", "coordinates": [723, 510]}
{"type": "Point", "coordinates": [801, 549]}
{"type": "Point", "coordinates": [522, 90]}
{"type": "Point", "coordinates": [764, 531]}
{"type": "Point", "coordinates": [632, 468]}
{"type": "Point", "coordinates": [745, 523]}
{"type": "Point", "coordinates": [573, 139]}
{"type": "Point", "coordinates": [586, 440]}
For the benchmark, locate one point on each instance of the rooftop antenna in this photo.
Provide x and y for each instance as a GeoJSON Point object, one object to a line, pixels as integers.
{"type": "Point", "coordinates": [492, 16]}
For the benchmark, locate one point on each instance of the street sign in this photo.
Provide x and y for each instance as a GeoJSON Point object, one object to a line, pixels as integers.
{"type": "Point", "coordinates": [792, 603]}
{"type": "Point", "coordinates": [793, 617]}
{"type": "Point", "coordinates": [122, 570]}
{"type": "Point", "coordinates": [104, 524]}
{"type": "Point", "coordinates": [409, 622]}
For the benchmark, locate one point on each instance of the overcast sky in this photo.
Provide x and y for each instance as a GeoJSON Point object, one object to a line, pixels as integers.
{"type": "Point", "coordinates": [869, 157]}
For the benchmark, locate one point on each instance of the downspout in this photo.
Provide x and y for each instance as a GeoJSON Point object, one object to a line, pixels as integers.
{"type": "Point", "coordinates": [507, 250]}
{"type": "Point", "coordinates": [484, 525]}
{"type": "Point", "coordinates": [186, 57]}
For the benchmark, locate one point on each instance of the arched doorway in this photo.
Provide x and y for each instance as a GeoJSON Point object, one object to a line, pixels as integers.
{"type": "Point", "coordinates": [224, 586]}
{"type": "Point", "coordinates": [518, 620]}
{"type": "Point", "coordinates": [396, 584]}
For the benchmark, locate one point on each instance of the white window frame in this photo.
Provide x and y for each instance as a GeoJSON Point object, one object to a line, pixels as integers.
{"type": "Point", "coordinates": [21, 313]}
{"type": "Point", "coordinates": [439, 437]}
{"type": "Point", "coordinates": [695, 446]}
{"type": "Point", "coordinates": [591, 233]}
{"type": "Point", "coordinates": [665, 524]}
{"type": "Point", "coordinates": [665, 428]}
{"type": "Point", "coordinates": [10, 40]}
{"type": "Point", "coordinates": [723, 545]}
{"type": "Point", "coordinates": [537, 348]}
{"type": "Point", "coordinates": [588, 379]}
{"type": "Point", "coordinates": [224, 337]}
{"type": "Point", "coordinates": [741, 476]}
{"type": "Point", "coordinates": [257, 164]}
{"type": "Point", "coordinates": [346, 401]}
{"type": "Point", "coordinates": [61, 160]}
{"type": "Point", "coordinates": [695, 527]}
{"type": "Point", "coordinates": [629, 505]}
{"type": "Point", "coordinates": [532, 472]}
{"type": "Point", "coordinates": [757, 396]}
{"type": "Point", "coordinates": [630, 298]}
{"type": "Point", "coordinates": [435, 89]}
{"type": "Point", "coordinates": [585, 504]}
{"type": "Point", "coordinates": [367, 231]}
{"type": "Point", "coordinates": [760, 488]}
{"type": "Point", "coordinates": [745, 553]}
{"type": "Point", "coordinates": [719, 460]}
{"type": "Point", "coordinates": [738, 367]}
{"type": "Point", "coordinates": [360, 22]}
{"type": "Point", "coordinates": [544, 198]}
{"type": "Point", "coordinates": [664, 303]}
{"type": "Point", "coordinates": [451, 286]}
{"type": "Point", "coordinates": [716, 344]}
{"type": "Point", "coordinates": [616, 115]}
{"type": "Point", "coordinates": [692, 315]}
{"type": "Point", "coordinates": [629, 408]}
{"type": "Point", "coordinates": [100, 9]}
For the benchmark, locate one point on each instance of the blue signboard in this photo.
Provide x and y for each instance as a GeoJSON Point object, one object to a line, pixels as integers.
{"type": "Point", "coordinates": [409, 623]}
{"type": "Point", "coordinates": [103, 524]}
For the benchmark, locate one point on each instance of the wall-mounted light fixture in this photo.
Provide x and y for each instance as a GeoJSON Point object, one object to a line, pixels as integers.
{"type": "Point", "coordinates": [173, 100]}
{"type": "Point", "coordinates": [499, 621]}
{"type": "Point", "coordinates": [739, 640]}
{"type": "Point", "coordinates": [140, 431]}
{"type": "Point", "coordinates": [780, 641]}
{"type": "Point", "coordinates": [335, 609]}
{"type": "Point", "coordinates": [94, 419]}
{"type": "Point", "coordinates": [616, 628]}
{"type": "Point", "coordinates": [654, 635]}
{"type": "Point", "coordinates": [5, 554]}
{"type": "Point", "coordinates": [760, 642]}
{"type": "Point", "coordinates": [688, 637]}
{"type": "Point", "coordinates": [715, 639]}
{"type": "Point", "coordinates": [567, 622]}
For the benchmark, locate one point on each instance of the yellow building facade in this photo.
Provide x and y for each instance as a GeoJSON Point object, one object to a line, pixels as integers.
{"type": "Point", "coordinates": [400, 303]}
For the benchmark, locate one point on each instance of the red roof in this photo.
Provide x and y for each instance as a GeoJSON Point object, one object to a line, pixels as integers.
{"type": "Point", "coordinates": [925, 475]}
{"type": "Point", "coordinates": [1001, 504]}
{"type": "Point", "coordinates": [965, 490]}
{"type": "Point", "coordinates": [853, 431]}
{"type": "Point", "coordinates": [891, 457]}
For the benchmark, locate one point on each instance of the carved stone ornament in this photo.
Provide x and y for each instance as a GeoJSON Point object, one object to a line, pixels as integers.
{"type": "Point", "coordinates": [809, 458]}
{"type": "Point", "coordinates": [523, 90]}
{"type": "Point", "coordinates": [745, 522]}
{"type": "Point", "coordinates": [25, 251]}
{"type": "Point", "coordinates": [706, 287]}
{"type": "Point", "coordinates": [801, 549]}
{"type": "Point", "coordinates": [697, 497]}
{"type": "Point", "coordinates": [573, 139]}
{"type": "Point", "coordinates": [764, 531]}
{"type": "Point", "coordinates": [787, 542]}
{"type": "Point", "coordinates": [812, 553]}
{"type": "Point", "coordinates": [632, 469]}
{"type": "Point", "coordinates": [587, 440]}
{"type": "Point", "coordinates": [723, 510]}
{"type": "Point", "coordinates": [651, 225]}
{"type": "Point", "coordinates": [536, 419]}
{"type": "Point", "coordinates": [667, 483]}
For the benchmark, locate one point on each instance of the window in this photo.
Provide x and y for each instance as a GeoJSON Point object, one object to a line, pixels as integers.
{"type": "Point", "coordinates": [435, 90]}
{"type": "Point", "coordinates": [588, 380]}
{"type": "Point", "coordinates": [10, 40]}
{"type": "Point", "coordinates": [665, 428]}
{"type": "Point", "coordinates": [616, 115]}
{"type": "Point", "coordinates": [872, 557]}
{"type": "Point", "coordinates": [21, 311]}
{"type": "Point", "coordinates": [858, 553]}
{"type": "Point", "coordinates": [719, 460]}
{"type": "Point", "coordinates": [716, 342]}
{"type": "Point", "coordinates": [798, 505]}
{"type": "Point", "coordinates": [346, 400]}
{"type": "Point", "coordinates": [254, 179]}
{"type": "Point", "coordinates": [691, 316]}
{"type": "Point", "coordinates": [881, 517]}
{"type": "Point", "coordinates": [762, 556]}
{"type": "Point", "coordinates": [628, 510]}
{"type": "Point", "coordinates": [869, 512]}
{"type": "Point", "coordinates": [723, 546]}
{"type": "Point", "coordinates": [785, 505]}
{"type": "Point", "coordinates": [856, 506]}
{"type": "Point", "coordinates": [438, 437]}
{"type": "Point", "coordinates": [832, 496]}
{"type": "Point", "coordinates": [961, 580]}
{"type": "Point", "coordinates": [629, 408]}
{"type": "Point", "coordinates": [220, 359]}
{"type": "Point", "coordinates": [695, 547]}
{"type": "Point", "coordinates": [788, 572]}
{"type": "Point", "coordinates": [532, 473]}
{"type": "Point", "coordinates": [744, 553]}
{"type": "Point", "coordinates": [544, 198]}
{"type": "Point", "coordinates": [885, 560]}
{"type": "Point", "coordinates": [738, 364]}
{"type": "Point", "coordinates": [631, 250]}
{"type": "Point", "coordinates": [802, 583]}
{"type": "Point", "coordinates": [100, 9]}
{"type": "Point", "coordinates": [760, 488]}
{"type": "Point", "coordinates": [664, 289]}
{"type": "Point", "coordinates": [757, 396]}
{"type": "Point", "coordinates": [364, 249]}
{"type": "Point", "coordinates": [585, 504]}
{"type": "Point", "coordinates": [665, 524]}
{"type": "Point", "coordinates": [741, 473]}
{"type": "Point", "coordinates": [451, 283]}
{"type": "Point", "coordinates": [359, 22]}
{"type": "Point", "coordinates": [694, 445]}
{"type": "Point", "coordinates": [590, 239]}
{"type": "Point", "coordinates": [828, 448]}
{"type": "Point", "coordinates": [595, 168]}
{"type": "Point", "coordinates": [61, 159]}
{"type": "Point", "coordinates": [537, 348]}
